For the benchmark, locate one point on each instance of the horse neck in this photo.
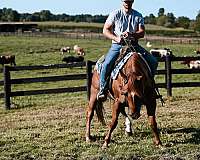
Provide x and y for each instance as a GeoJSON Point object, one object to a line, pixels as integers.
{"type": "Point", "coordinates": [137, 66]}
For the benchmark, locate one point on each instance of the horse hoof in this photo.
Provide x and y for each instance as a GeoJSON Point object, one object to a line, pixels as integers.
{"type": "Point", "coordinates": [128, 134]}
{"type": "Point", "coordinates": [88, 140]}
{"type": "Point", "coordinates": [105, 145]}
{"type": "Point", "coordinates": [158, 144]}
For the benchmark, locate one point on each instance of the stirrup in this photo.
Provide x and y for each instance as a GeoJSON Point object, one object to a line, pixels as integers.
{"type": "Point", "coordinates": [101, 96]}
{"type": "Point", "coordinates": [158, 96]}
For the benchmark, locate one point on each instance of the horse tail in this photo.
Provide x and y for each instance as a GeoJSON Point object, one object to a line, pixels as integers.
{"type": "Point", "coordinates": [99, 111]}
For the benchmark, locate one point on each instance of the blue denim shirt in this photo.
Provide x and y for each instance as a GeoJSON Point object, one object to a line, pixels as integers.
{"type": "Point", "coordinates": [122, 21]}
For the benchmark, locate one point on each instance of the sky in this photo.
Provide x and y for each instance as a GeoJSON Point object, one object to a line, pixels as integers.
{"type": "Point", "coordinates": [179, 8]}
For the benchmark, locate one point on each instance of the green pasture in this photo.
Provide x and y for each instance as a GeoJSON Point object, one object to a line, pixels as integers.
{"type": "Point", "coordinates": [53, 126]}
{"type": "Point", "coordinates": [97, 28]}
{"type": "Point", "coordinates": [98, 25]}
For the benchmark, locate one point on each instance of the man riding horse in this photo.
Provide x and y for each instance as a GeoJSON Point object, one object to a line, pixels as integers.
{"type": "Point", "coordinates": [133, 84]}
{"type": "Point", "coordinates": [125, 22]}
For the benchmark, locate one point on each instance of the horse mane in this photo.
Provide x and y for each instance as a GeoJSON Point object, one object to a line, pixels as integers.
{"type": "Point", "coordinates": [137, 66]}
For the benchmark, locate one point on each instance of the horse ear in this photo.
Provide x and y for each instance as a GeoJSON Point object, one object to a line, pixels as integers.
{"type": "Point", "coordinates": [138, 77]}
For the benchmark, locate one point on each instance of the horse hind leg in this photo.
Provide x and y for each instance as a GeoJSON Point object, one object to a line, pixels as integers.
{"type": "Point", "coordinates": [153, 125]}
{"type": "Point", "coordinates": [90, 113]}
{"type": "Point", "coordinates": [115, 115]}
{"type": "Point", "coordinates": [151, 109]}
{"type": "Point", "coordinates": [94, 105]}
{"type": "Point", "coordinates": [89, 116]}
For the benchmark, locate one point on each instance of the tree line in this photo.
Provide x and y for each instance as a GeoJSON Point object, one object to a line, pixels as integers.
{"type": "Point", "coordinates": [162, 19]}
{"type": "Point", "coordinates": [170, 21]}
{"type": "Point", "coordinates": [10, 15]}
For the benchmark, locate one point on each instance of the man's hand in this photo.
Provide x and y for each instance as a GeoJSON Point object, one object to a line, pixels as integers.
{"type": "Point", "coordinates": [129, 35]}
{"type": "Point", "coordinates": [118, 39]}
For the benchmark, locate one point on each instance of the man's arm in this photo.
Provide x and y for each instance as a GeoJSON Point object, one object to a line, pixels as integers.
{"type": "Point", "coordinates": [107, 32]}
{"type": "Point", "coordinates": [140, 33]}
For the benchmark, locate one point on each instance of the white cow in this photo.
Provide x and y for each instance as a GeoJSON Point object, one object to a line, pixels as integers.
{"type": "Point", "coordinates": [157, 52]}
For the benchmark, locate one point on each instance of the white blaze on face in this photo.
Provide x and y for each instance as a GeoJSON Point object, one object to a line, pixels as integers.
{"type": "Point", "coordinates": [132, 94]}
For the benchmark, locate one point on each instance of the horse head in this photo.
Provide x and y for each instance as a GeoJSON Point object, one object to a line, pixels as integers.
{"type": "Point", "coordinates": [139, 86]}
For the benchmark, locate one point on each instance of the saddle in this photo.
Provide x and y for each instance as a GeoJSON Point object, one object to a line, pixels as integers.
{"type": "Point", "coordinates": [125, 54]}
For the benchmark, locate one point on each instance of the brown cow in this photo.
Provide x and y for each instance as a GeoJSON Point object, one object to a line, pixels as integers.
{"type": "Point", "coordinates": [79, 51]}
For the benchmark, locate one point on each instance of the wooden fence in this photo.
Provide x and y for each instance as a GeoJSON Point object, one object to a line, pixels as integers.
{"type": "Point", "coordinates": [8, 81]}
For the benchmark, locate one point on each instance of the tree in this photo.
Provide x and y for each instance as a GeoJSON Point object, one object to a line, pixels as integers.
{"type": "Point", "coordinates": [151, 19]}
{"type": "Point", "coordinates": [161, 12]}
{"type": "Point", "coordinates": [183, 22]}
{"type": "Point", "coordinates": [197, 23]}
{"type": "Point", "coordinates": [170, 20]}
{"type": "Point", "coordinates": [9, 15]}
{"type": "Point", "coordinates": [45, 15]}
{"type": "Point", "coordinates": [161, 20]}
{"type": "Point", "coordinates": [35, 17]}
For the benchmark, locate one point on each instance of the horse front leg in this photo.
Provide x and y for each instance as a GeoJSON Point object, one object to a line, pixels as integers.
{"type": "Point", "coordinates": [151, 109]}
{"type": "Point", "coordinates": [112, 126]}
{"type": "Point", "coordinates": [89, 115]}
{"type": "Point", "coordinates": [128, 129]}
{"type": "Point", "coordinates": [153, 125]}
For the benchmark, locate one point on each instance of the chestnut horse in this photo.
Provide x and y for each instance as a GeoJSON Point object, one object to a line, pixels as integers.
{"type": "Point", "coordinates": [134, 81]}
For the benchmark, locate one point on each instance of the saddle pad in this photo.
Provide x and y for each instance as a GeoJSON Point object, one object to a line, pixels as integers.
{"type": "Point", "coordinates": [117, 68]}
{"type": "Point", "coordinates": [98, 64]}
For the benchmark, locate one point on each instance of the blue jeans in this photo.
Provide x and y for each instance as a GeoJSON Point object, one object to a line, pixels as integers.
{"type": "Point", "coordinates": [108, 64]}
{"type": "Point", "coordinates": [112, 56]}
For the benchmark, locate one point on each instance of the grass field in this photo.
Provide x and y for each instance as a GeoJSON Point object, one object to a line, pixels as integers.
{"type": "Point", "coordinates": [99, 25]}
{"type": "Point", "coordinates": [53, 126]}
{"type": "Point", "coordinates": [85, 27]}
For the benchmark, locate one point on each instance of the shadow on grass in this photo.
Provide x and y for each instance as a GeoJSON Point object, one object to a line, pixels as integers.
{"type": "Point", "coordinates": [194, 132]}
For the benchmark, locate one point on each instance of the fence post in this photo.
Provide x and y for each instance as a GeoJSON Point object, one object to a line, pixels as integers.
{"type": "Point", "coordinates": [168, 76]}
{"type": "Point", "coordinates": [7, 87]}
{"type": "Point", "coordinates": [89, 77]}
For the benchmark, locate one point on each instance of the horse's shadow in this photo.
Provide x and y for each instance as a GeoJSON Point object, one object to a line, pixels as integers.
{"type": "Point", "coordinates": [194, 138]}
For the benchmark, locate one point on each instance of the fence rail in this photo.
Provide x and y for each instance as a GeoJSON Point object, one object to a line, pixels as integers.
{"type": "Point", "coordinates": [8, 81]}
